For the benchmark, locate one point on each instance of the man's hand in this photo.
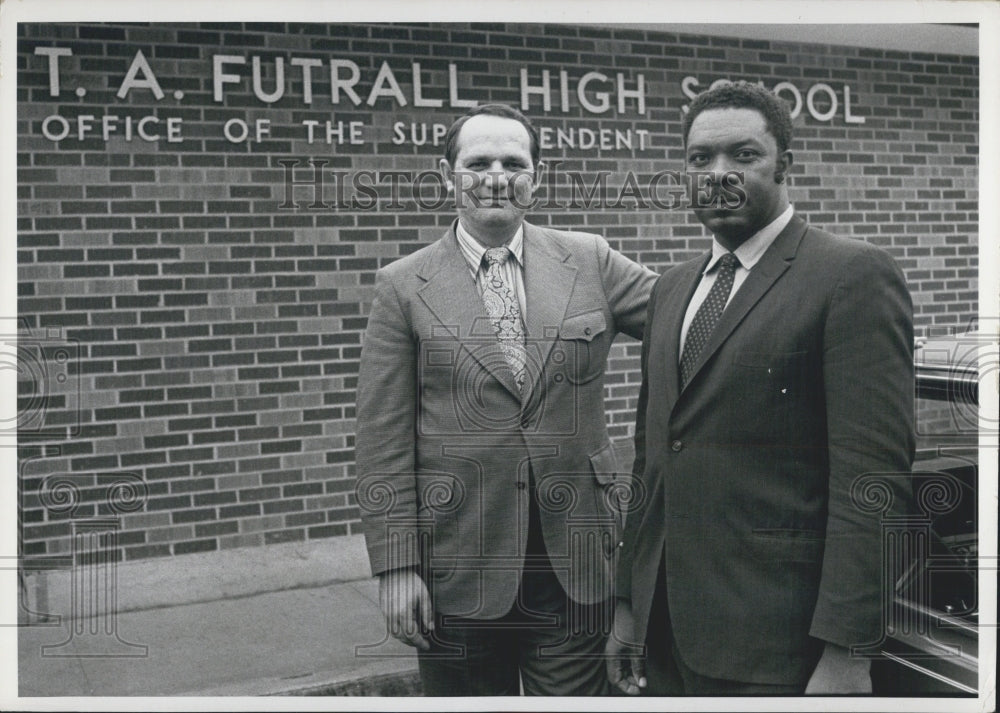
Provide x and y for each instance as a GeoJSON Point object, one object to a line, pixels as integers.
{"type": "Point", "coordinates": [406, 604]}
{"type": "Point", "coordinates": [839, 673]}
{"type": "Point", "coordinates": [626, 668]}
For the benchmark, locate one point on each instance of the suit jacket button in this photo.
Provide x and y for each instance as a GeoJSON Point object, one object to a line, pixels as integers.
{"type": "Point", "coordinates": [676, 446]}
{"type": "Point", "coordinates": [521, 485]}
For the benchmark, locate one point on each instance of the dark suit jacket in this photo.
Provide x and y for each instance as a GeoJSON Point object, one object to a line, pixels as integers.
{"type": "Point", "coordinates": [806, 384]}
{"type": "Point", "coordinates": [445, 446]}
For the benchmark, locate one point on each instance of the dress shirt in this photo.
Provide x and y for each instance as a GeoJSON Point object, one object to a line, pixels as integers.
{"type": "Point", "coordinates": [749, 253]}
{"type": "Point", "coordinates": [513, 269]}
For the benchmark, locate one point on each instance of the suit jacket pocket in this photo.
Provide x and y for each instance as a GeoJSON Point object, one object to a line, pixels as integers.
{"type": "Point", "coordinates": [584, 326]}
{"type": "Point", "coordinates": [605, 464]}
{"type": "Point", "coordinates": [782, 386]}
{"type": "Point", "coordinates": [773, 363]}
{"type": "Point", "coordinates": [787, 545]}
{"type": "Point", "coordinates": [582, 355]}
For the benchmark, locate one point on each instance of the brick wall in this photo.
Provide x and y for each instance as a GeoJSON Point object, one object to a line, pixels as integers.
{"type": "Point", "coordinates": [190, 343]}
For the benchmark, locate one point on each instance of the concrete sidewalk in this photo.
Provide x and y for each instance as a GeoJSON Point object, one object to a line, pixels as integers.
{"type": "Point", "coordinates": [311, 640]}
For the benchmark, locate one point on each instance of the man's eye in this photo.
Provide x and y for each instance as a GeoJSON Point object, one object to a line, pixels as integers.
{"type": "Point", "coordinates": [697, 158]}
{"type": "Point", "coordinates": [746, 155]}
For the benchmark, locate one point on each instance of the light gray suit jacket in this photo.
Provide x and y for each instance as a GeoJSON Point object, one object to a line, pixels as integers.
{"type": "Point", "coordinates": [446, 443]}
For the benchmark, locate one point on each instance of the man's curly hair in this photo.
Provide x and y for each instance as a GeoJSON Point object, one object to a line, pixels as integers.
{"type": "Point", "coordinates": [744, 95]}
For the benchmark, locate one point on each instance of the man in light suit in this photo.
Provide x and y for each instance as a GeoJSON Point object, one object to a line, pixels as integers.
{"type": "Point", "coordinates": [777, 373]}
{"type": "Point", "coordinates": [486, 477]}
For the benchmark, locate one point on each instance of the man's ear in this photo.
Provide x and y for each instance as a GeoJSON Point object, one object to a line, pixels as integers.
{"type": "Point", "coordinates": [447, 173]}
{"type": "Point", "coordinates": [540, 168]}
{"type": "Point", "coordinates": [784, 164]}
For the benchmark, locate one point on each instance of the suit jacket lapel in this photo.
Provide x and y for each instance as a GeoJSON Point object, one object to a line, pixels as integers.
{"type": "Point", "coordinates": [548, 282]}
{"type": "Point", "coordinates": [451, 294]}
{"type": "Point", "coordinates": [764, 274]}
{"type": "Point", "coordinates": [673, 319]}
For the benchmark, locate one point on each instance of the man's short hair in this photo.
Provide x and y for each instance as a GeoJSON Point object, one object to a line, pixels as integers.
{"type": "Point", "coordinates": [501, 110]}
{"type": "Point", "coordinates": [744, 95]}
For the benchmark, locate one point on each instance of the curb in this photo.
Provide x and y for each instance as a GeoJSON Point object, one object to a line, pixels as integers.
{"type": "Point", "coordinates": [204, 576]}
{"type": "Point", "coordinates": [404, 683]}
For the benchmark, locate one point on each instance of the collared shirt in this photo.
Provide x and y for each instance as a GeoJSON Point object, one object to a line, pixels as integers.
{"type": "Point", "coordinates": [513, 269]}
{"type": "Point", "coordinates": [749, 253]}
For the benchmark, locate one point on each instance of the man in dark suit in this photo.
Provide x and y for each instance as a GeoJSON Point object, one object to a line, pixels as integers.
{"type": "Point", "coordinates": [485, 474]}
{"type": "Point", "coordinates": [776, 371]}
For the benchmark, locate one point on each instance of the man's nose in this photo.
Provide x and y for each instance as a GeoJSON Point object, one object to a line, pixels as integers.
{"type": "Point", "coordinates": [717, 167]}
{"type": "Point", "coordinates": [497, 176]}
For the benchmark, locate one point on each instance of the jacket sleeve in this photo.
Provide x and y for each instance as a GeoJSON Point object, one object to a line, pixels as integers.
{"type": "Point", "coordinates": [385, 445]}
{"type": "Point", "coordinates": [640, 494]}
{"type": "Point", "coordinates": [627, 285]}
{"type": "Point", "coordinates": [868, 383]}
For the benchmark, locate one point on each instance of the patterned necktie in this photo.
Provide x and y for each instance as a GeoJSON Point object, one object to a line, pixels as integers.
{"type": "Point", "coordinates": [708, 315]}
{"type": "Point", "coordinates": [505, 313]}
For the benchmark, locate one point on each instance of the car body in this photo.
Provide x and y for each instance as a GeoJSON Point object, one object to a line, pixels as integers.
{"type": "Point", "coordinates": [931, 635]}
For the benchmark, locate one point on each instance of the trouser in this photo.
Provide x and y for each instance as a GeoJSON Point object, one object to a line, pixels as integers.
{"type": "Point", "coordinates": [668, 675]}
{"type": "Point", "coordinates": [547, 643]}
